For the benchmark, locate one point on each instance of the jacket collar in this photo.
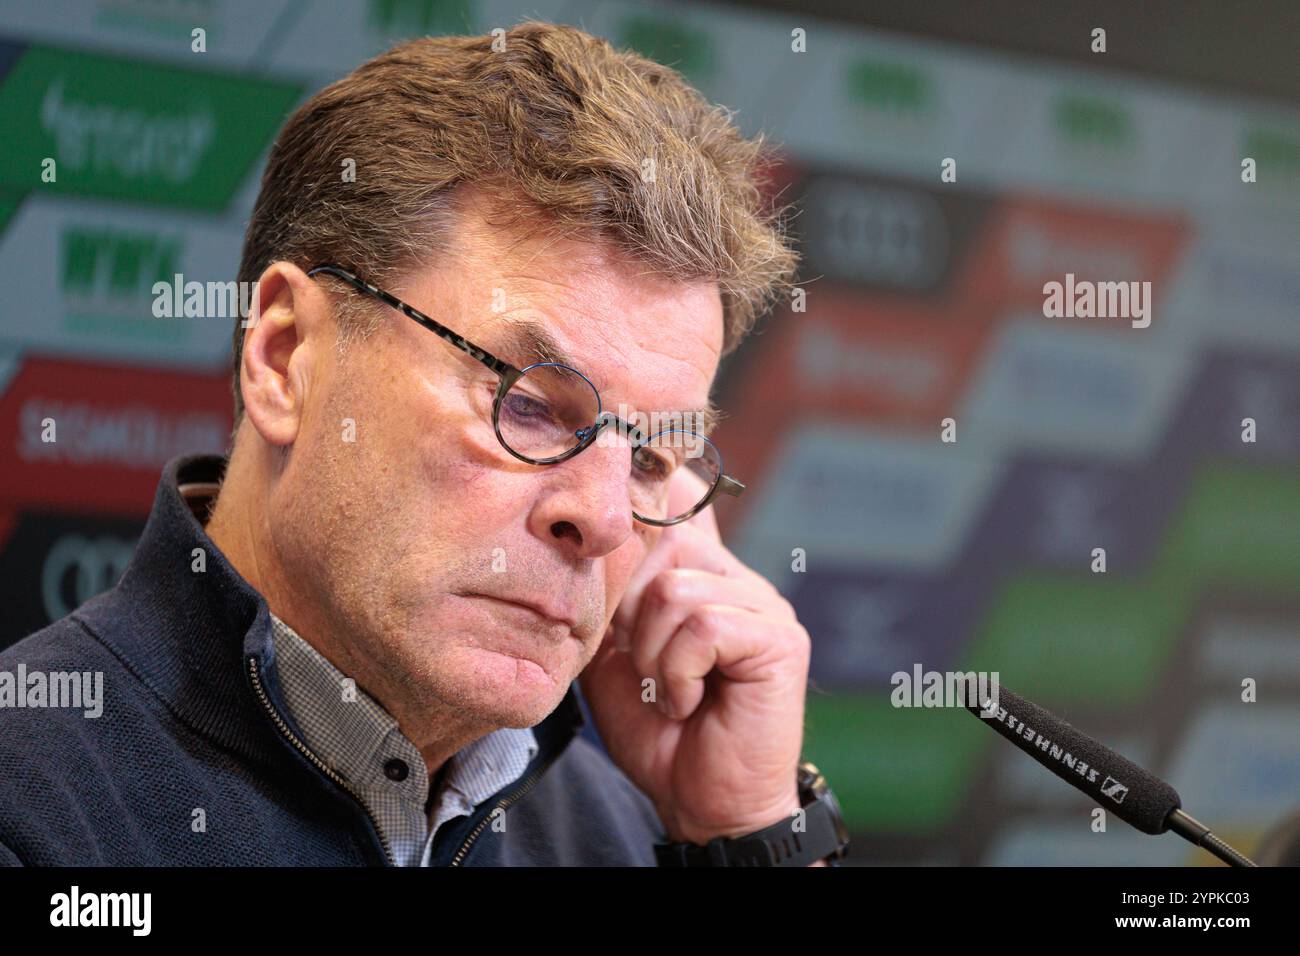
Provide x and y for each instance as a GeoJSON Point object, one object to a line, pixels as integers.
{"type": "Point", "coordinates": [184, 621]}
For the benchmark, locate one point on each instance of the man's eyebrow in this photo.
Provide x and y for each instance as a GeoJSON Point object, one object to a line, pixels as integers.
{"type": "Point", "coordinates": [533, 342]}
{"type": "Point", "coordinates": [706, 419]}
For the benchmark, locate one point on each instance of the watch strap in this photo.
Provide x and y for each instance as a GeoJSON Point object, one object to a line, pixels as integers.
{"type": "Point", "coordinates": [819, 836]}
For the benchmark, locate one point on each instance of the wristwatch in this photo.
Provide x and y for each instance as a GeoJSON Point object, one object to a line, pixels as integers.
{"type": "Point", "coordinates": [801, 840]}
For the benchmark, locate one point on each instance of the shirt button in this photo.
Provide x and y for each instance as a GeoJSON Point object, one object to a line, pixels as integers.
{"type": "Point", "coordinates": [396, 770]}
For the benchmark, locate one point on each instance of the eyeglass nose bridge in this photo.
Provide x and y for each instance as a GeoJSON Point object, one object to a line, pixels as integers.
{"type": "Point", "coordinates": [603, 420]}
{"type": "Point", "coordinates": [724, 485]}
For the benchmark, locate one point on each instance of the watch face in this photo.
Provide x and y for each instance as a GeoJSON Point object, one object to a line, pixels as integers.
{"type": "Point", "coordinates": [812, 781]}
{"type": "Point", "coordinates": [810, 778]}
{"type": "Point", "coordinates": [841, 831]}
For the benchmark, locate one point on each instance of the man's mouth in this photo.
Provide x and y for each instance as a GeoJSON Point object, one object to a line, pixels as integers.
{"type": "Point", "coordinates": [542, 610]}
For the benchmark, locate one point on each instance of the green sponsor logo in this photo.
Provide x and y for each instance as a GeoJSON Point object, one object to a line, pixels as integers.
{"type": "Point", "coordinates": [1237, 531]}
{"type": "Point", "coordinates": [687, 50]}
{"type": "Point", "coordinates": [1092, 639]}
{"type": "Point", "coordinates": [174, 19]}
{"type": "Point", "coordinates": [1088, 120]}
{"type": "Point", "coordinates": [889, 87]}
{"type": "Point", "coordinates": [136, 131]}
{"type": "Point", "coordinates": [1274, 150]}
{"type": "Point", "coordinates": [894, 770]}
{"type": "Point", "coordinates": [116, 264]}
{"type": "Point", "coordinates": [106, 276]}
{"type": "Point", "coordinates": [419, 17]}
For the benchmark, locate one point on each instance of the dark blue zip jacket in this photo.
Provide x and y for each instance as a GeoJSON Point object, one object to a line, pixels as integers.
{"type": "Point", "coordinates": [193, 720]}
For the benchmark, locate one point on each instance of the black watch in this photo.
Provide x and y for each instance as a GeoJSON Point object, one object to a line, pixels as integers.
{"type": "Point", "coordinates": [821, 836]}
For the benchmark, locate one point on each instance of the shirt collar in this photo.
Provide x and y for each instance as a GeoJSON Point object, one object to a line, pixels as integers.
{"type": "Point", "coordinates": [358, 737]}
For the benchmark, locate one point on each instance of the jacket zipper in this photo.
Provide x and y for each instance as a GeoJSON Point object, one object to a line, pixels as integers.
{"type": "Point", "coordinates": [501, 805]}
{"type": "Point", "coordinates": [316, 761]}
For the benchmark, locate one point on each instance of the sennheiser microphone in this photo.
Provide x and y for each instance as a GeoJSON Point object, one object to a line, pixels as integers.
{"type": "Point", "coordinates": [1135, 796]}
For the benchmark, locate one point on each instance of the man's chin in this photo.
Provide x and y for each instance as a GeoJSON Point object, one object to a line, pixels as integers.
{"type": "Point", "coordinates": [512, 691]}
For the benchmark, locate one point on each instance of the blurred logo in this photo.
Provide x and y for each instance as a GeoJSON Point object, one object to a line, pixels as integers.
{"type": "Point", "coordinates": [1114, 789]}
{"type": "Point", "coordinates": [97, 138]}
{"type": "Point", "coordinates": [77, 568]}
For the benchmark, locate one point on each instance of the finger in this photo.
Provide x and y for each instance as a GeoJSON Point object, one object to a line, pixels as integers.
{"type": "Point", "coordinates": [670, 597]}
{"type": "Point", "coordinates": [674, 597]}
{"type": "Point", "coordinates": [694, 543]}
{"type": "Point", "coordinates": [658, 561]}
{"type": "Point", "coordinates": [742, 645]}
{"type": "Point", "coordinates": [677, 548]}
{"type": "Point", "coordinates": [694, 547]}
{"type": "Point", "coordinates": [687, 548]}
{"type": "Point", "coordinates": [685, 490]}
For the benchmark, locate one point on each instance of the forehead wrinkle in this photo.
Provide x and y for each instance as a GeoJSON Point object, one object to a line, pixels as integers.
{"type": "Point", "coordinates": [703, 419]}
{"type": "Point", "coordinates": [543, 280]}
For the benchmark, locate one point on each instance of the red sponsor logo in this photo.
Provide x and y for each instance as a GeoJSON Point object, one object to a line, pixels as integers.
{"type": "Point", "coordinates": [94, 437]}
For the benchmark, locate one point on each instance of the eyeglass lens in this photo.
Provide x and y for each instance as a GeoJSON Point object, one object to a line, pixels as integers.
{"type": "Point", "coordinates": [552, 408]}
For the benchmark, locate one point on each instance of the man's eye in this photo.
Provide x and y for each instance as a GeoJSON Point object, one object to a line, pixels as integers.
{"type": "Point", "coordinates": [525, 406]}
{"type": "Point", "coordinates": [651, 464]}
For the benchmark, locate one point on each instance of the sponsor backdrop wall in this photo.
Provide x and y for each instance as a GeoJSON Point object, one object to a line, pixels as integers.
{"type": "Point", "coordinates": [924, 302]}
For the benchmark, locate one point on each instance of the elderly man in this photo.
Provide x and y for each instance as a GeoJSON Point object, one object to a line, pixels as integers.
{"type": "Point", "coordinates": [469, 480]}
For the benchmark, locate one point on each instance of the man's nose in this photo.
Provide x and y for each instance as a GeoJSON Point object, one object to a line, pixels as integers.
{"type": "Point", "coordinates": [586, 507]}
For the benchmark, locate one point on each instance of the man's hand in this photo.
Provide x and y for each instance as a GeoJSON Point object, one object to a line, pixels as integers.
{"type": "Point", "coordinates": [717, 746]}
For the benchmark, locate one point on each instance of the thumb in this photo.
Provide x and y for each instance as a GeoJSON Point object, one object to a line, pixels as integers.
{"type": "Point", "coordinates": [689, 544]}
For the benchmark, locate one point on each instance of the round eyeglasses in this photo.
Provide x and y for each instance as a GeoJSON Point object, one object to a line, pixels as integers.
{"type": "Point", "coordinates": [548, 412]}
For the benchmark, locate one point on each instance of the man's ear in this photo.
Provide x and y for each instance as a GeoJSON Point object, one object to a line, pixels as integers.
{"type": "Point", "coordinates": [283, 346]}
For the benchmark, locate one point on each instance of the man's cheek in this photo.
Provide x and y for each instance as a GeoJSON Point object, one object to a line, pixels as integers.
{"type": "Point", "coordinates": [620, 569]}
{"type": "Point", "coordinates": [459, 475]}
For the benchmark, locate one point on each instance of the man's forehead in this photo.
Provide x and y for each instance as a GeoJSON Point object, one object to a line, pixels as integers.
{"type": "Point", "coordinates": [525, 341]}
{"type": "Point", "coordinates": [557, 296]}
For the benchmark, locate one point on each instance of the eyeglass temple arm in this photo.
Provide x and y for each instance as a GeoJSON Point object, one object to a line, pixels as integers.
{"type": "Point", "coordinates": [729, 486]}
{"type": "Point", "coordinates": [462, 343]}
{"type": "Point", "coordinates": [726, 486]}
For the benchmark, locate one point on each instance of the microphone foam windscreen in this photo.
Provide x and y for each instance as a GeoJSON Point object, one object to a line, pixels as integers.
{"type": "Point", "coordinates": [1118, 785]}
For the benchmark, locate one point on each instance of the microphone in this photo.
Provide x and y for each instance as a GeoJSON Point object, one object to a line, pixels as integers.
{"type": "Point", "coordinates": [1137, 797]}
